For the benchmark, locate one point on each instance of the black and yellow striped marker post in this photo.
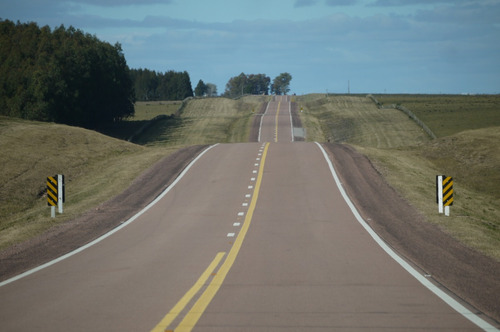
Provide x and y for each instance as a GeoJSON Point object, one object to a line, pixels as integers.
{"type": "Point", "coordinates": [55, 193]}
{"type": "Point", "coordinates": [52, 195]}
{"type": "Point", "coordinates": [444, 193]}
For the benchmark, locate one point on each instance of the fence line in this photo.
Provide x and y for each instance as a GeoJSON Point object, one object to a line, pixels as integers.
{"type": "Point", "coordinates": [405, 110]}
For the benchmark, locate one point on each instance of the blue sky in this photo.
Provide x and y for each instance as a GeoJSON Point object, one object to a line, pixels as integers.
{"type": "Point", "coordinates": [391, 46]}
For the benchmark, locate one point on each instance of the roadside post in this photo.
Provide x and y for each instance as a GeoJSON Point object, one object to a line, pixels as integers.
{"type": "Point", "coordinates": [444, 193]}
{"type": "Point", "coordinates": [55, 193]}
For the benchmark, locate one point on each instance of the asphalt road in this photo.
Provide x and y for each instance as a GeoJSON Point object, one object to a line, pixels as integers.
{"type": "Point", "coordinates": [254, 236]}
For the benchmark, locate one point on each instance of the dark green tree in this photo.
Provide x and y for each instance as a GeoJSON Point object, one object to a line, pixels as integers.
{"type": "Point", "coordinates": [201, 89]}
{"type": "Point", "coordinates": [63, 75]}
{"type": "Point", "coordinates": [281, 84]}
{"type": "Point", "coordinates": [247, 84]}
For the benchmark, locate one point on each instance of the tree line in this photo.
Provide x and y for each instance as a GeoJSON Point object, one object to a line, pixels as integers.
{"type": "Point", "coordinates": [67, 76]}
{"type": "Point", "coordinates": [152, 85]}
{"type": "Point", "coordinates": [257, 84]}
{"type": "Point", "coordinates": [62, 75]}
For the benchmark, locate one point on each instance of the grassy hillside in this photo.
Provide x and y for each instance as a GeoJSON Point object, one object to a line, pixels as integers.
{"type": "Point", "coordinates": [206, 121]}
{"type": "Point", "coordinates": [450, 114]}
{"type": "Point", "coordinates": [410, 160]}
{"type": "Point", "coordinates": [96, 167]}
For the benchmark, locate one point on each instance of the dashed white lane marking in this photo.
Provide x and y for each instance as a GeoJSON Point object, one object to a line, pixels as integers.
{"type": "Point", "coordinates": [241, 214]}
{"type": "Point", "coordinates": [252, 179]}
{"type": "Point", "coordinates": [244, 204]}
{"type": "Point", "coordinates": [230, 234]}
{"type": "Point", "coordinates": [256, 164]}
{"type": "Point", "coordinates": [236, 224]}
{"type": "Point", "coordinates": [250, 187]}
{"type": "Point", "coordinates": [248, 195]}
{"type": "Point", "coordinates": [257, 159]}
{"type": "Point", "coordinates": [254, 171]}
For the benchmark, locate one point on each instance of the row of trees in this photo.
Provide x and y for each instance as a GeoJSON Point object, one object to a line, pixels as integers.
{"type": "Point", "coordinates": [64, 76]}
{"type": "Point", "coordinates": [258, 84]}
{"type": "Point", "coordinates": [208, 90]}
{"type": "Point", "coordinates": [67, 76]}
{"type": "Point", "coordinates": [152, 85]}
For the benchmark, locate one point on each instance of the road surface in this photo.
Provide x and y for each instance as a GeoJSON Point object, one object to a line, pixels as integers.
{"type": "Point", "coordinates": [253, 237]}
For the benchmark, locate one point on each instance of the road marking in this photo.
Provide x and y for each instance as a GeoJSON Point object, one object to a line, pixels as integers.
{"type": "Point", "coordinates": [241, 214]}
{"type": "Point", "coordinates": [114, 230]}
{"type": "Point", "coordinates": [179, 306]}
{"type": "Point", "coordinates": [236, 224]}
{"type": "Point", "coordinates": [192, 317]}
{"type": "Point", "coordinates": [421, 278]}
{"type": "Point", "coordinates": [248, 195]}
{"type": "Point", "coordinates": [252, 179]}
{"type": "Point", "coordinates": [244, 204]}
{"type": "Point", "coordinates": [254, 171]}
{"type": "Point", "coordinates": [230, 234]}
{"type": "Point", "coordinates": [276, 120]}
{"type": "Point", "coordinates": [250, 187]}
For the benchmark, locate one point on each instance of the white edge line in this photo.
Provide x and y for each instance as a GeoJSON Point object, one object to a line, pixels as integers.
{"type": "Point", "coordinates": [262, 117]}
{"type": "Point", "coordinates": [433, 288]}
{"type": "Point", "coordinates": [291, 121]}
{"type": "Point", "coordinates": [111, 232]}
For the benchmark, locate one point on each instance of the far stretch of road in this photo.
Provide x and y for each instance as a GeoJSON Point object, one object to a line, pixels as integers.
{"type": "Point", "coordinates": [252, 237]}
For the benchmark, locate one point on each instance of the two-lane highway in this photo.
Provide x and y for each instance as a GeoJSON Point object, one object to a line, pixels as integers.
{"type": "Point", "coordinates": [276, 123]}
{"type": "Point", "coordinates": [252, 237]}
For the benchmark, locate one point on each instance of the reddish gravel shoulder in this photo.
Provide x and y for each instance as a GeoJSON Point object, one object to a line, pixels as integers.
{"type": "Point", "coordinates": [254, 130]}
{"type": "Point", "coordinates": [73, 234]}
{"type": "Point", "coordinates": [467, 273]}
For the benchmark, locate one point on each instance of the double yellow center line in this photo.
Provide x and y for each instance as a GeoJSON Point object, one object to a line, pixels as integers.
{"type": "Point", "coordinates": [193, 315]}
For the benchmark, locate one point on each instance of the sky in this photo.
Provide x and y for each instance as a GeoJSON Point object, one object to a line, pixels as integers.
{"type": "Point", "coordinates": [334, 46]}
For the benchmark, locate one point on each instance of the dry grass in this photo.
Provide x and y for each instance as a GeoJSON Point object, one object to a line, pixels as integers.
{"type": "Point", "coordinates": [206, 121]}
{"type": "Point", "coordinates": [96, 168]}
{"type": "Point", "coordinates": [450, 114]}
{"type": "Point", "coordinates": [410, 161]}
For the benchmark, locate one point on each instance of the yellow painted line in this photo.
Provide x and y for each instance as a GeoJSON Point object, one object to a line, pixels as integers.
{"type": "Point", "coordinates": [192, 317]}
{"type": "Point", "coordinates": [169, 318]}
{"type": "Point", "coordinates": [276, 120]}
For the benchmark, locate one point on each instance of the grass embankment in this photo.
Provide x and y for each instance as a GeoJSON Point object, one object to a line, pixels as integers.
{"type": "Point", "coordinates": [410, 160]}
{"type": "Point", "coordinates": [98, 167]}
{"type": "Point", "coordinates": [206, 121]}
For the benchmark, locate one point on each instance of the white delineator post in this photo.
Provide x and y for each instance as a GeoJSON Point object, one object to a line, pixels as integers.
{"type": "Point", "coordinates": [439, 183]}
{"type": "Point", "coordinates": [60, 192]}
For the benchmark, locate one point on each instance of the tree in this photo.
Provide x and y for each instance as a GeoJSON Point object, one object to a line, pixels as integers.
{"type": "Point", "coordinates": [151, 85]}
{"type": "Point", "coordinates": [247, 84]}
{"type": "Point", "coordinates": [281, 84]}
{"type": "Point", "coordinates": [211, 90]}
{"type": "Point", "coordinates": [64, 75]}
{"type": "Point", "coordinates": [201, 89]}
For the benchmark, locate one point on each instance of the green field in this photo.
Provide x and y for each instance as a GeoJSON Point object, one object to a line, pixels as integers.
{"type": "Point", "coordinates": [467, 148]}
{"type": "Point", "coordinates": [98, 167]}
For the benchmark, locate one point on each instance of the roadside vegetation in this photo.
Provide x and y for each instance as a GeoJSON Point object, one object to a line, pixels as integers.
{"type": "Point", "coordinates": [98, 167]}
{"type": "Point", "coordinates": [467, 148]}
